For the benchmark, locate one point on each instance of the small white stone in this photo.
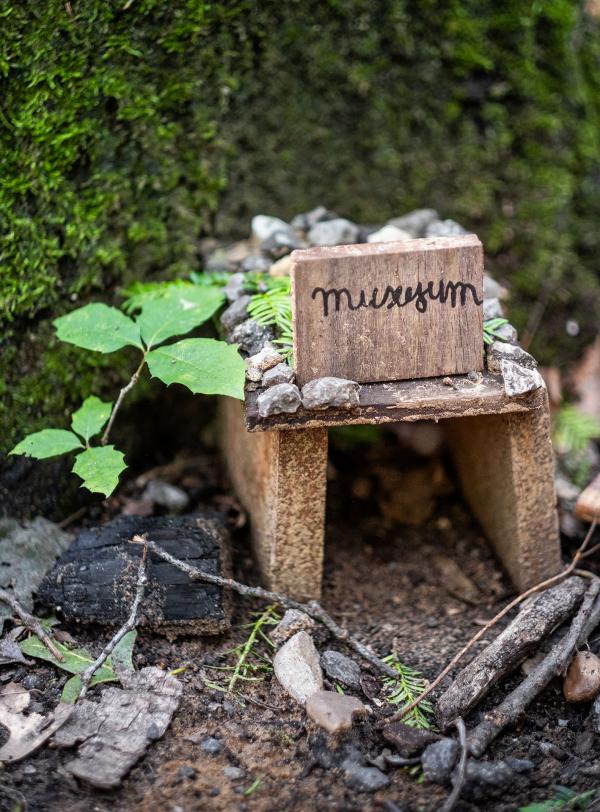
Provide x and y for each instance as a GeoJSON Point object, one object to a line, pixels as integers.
{"type": "Point", "coordinates": [519, 380]}
{"type": "Point", "coordinates": [293, 621]}
{"type": "Point", "coordinates": [263, 226]}
{"type": "Point", "coordinates": [492, 309]}
{"type": "Point", "coordinates": [333, 232]}
{"type": "Point", "coordinates": [328, 392]}
{"type": "Point", "coordinates": [500, 351]}
{"type": "Point", "coordinates": [389, 234]}
{"type": "Point", "coordinates": [282, 373]}
{"type": "Point", "coordinates": [265, 359]}
{"type": "Point", "coordinates": [279, 399]}
{"type": "Point", "coordinates": [297, 667]}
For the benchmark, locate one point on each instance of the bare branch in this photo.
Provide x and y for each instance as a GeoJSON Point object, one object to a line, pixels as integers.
{"type": "Point", "coordinates": [461, 773]}
{"type": "Point", "coordinates": [129, 625]}
{"type": "Point", "coordinates": [31, 623]}
{"type": "Point", "coordinates": [484, 629]}
{"type": "Point", "coordinates": [127, 388]}
{"type": "Point", "coordinates": [313, 609]}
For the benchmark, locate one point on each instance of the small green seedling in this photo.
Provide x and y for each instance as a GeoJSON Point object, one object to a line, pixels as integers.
{"type": "Point", "coordinates": [564, 799]}
{"type": "Point", "coordinates": [164, 312]}
{"type": "Point", "coordinates": [490, 330]}
{"type": "Point", "coordinates": [405, 689]}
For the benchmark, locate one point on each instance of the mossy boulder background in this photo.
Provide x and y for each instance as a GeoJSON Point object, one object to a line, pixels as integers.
{"type": "Point", "coordinates": [129, 130]}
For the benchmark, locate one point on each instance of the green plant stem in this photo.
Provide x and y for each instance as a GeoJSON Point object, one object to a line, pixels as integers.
{"type": "Point", "coordinates": [127, 388]}
{"type": "Point", "coordinates": [264, 617]}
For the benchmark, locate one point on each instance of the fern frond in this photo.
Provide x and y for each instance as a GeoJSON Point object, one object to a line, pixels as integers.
{"type": "Point", "coordinates": [490, 328]}
{"type": "Point", "coordinates": [574, 429]}
{"type": "Point", "coordinates": [405, 689]}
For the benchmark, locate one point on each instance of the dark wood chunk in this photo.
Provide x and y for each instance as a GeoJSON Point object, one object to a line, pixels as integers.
{"type": "Point", "coordinates": [94, 580]}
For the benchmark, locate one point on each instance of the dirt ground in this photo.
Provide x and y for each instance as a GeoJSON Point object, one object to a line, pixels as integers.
{"type": "Point", "coordinates": [380, 582]}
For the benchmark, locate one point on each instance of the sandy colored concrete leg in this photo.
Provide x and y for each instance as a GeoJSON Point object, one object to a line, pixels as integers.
{"type": "Point", "coordinates": [507, 473]}
{"type": "Point", "coordinates": [280, 478]}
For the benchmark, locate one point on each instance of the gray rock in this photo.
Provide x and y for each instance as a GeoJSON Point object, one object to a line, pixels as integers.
{"type": "Point", "coordinates": [167, 495]}
{"type": "Point", "coordinates": [340, 668]}
{"type": "Point", "coordinates": [284, 397]}
{"type": "Point", "coordinates": [488, 777]}
{"type": "Point", "coordinates": [492, 309]}
{"type": "Point", "coordinates": [595, 715]}
{"type": "Point", "coordinates": [218, 262]}
{"type": "Point", "coordinates": [280, 243]}
{"type": "Point", "coordinates": [438, 759]}
{"type": "Point", "coordinates": [389, 233]}
{"type": "Point", "coordinates": [251, 336]}
{"type": "Point", "coordinates": [518, 380]}
{"type": "Point", "coordinates": [282, 373]}
{"type": "Point", "coordinates": [333, 232]}
{"type": "Point", "coordinates": [233, 773]}
{"type": "Point", "coordinates": [210, 745]}
{"type": "Point", "coordinates": [500, 351]}
{"type": "Point", "coordinates": [265, 359]}
{"type": "Point", "coordinates": [444, 228]}
{"type": "Point", "coordinates": [507, 333]}
{"type": "Point", "coordinates": [334, 712]}
{"type": "Point", "coordinates": [236, 313]}
{"type": "Point", "coordinates": [263, 226]}
{"type": "Point", "coordinates": [491, 288]}
{"type": "Point", "coordinates": [415, 222]}
{"type": "Point", "coordinates": [235, 287]}
{"type": "Point", "coordinates": [325, 393]}
{"type": "Point", "coordinates": [293, 621]}
{"type": "Point", "coordinates": [364, 779]}
{"type": "Point", "coordinates": [308, 219]}
{"type": "Point", "coordinates": [255, 263]}
{"type": "Point", "coordinates": [296, 666]}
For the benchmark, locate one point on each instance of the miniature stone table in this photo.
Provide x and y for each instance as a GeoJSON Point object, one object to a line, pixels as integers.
{"type": "Point", "coordinates": [500, 446]}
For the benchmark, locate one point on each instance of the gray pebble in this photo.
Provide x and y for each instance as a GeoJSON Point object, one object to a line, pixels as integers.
{"type": "Point", "coordinates": [333, 232]}
{"type": "Point", "coordinates": [185, 771]}
{"type": "Point", "coordinates": [364, 779]}
{"type": "Point", "coordinates": [233, 773]}
{"type": "Point", "coordinates": [324, 393]}
{"type": "Point", "coordinates": [251, 336]}
{"type": "Point", "coordinates": [263, 225]}
{"type": "Point", "coordinates": [491, 288]}
{"type": "Point", "coordinates": [483, 776]}
{"type": "Point", "coordinates": [507, 333]}
{"type": "Point", "coordinates": [235, 287]}
{"type": "Point", "coordinates": [210, 745]}
{"type": "Point", "coordinates": [501, 351]}
{"type": "Point", "coordinates": [284, 397]}
{"type": "Point", "coordinates": [444, 228]}
{"type": "Point", "coordinates": [255, 264]}
{"type": "Point", "coordinates": [282, 373]}
{"type": "Point", "coordinates": [519, 380]}
{"type": "Point", "coordinates": [415, 222]}
{"type": "Point", "coordinates": [281, 243]}
{"type": "Point", "coordinates": [236, 313]}
{"type": "Point", "coordinates": [492, 309]}
{"type": "Point", "coordinates": [308, 219]}
{"type": "Point", "coordinates": [438, 759]}
{"type": "Point", "coordinates": [341, 668]}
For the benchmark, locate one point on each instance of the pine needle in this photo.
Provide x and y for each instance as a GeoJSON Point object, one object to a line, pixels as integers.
{"type": "Point", "coordinates": [403, 690]}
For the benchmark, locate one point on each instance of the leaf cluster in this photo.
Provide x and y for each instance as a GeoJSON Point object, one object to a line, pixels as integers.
{"type": "Point", "coordinates": [405, 689]}
{"type": "Point", "coordinates": [573, 431]}
{"type": "Point", "coordinates": [273, 307]}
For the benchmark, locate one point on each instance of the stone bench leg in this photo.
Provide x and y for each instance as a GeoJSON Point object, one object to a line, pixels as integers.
{"type": "Point", "coordinates": [506, 469]}
{"type": "Point", "coordinates": [280, 478]}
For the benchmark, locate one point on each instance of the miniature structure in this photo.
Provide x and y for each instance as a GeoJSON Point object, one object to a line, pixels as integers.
{"type": "Point", "coordinates": [500, 445]}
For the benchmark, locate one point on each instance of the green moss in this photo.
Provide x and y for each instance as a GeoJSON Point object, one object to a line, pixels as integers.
{"type": "Point", "coordinates": [129, 130]}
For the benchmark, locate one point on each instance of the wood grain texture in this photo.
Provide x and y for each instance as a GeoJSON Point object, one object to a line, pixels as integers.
{"type": "Point", "coordinates": [388, 311]}
{"type": "Point", "coordinates": [430, 399]}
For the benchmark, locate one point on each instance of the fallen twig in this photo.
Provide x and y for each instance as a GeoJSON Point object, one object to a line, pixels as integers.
{"type": "Point", "coordinates": [129, 625]}
{"type": "Point", "coordinates": [553, 664]}
{"type": "Point", "coordinates": [555, 579]}
{"type": "Point", "coordinates": [461, 773]}
{"type": "Point", "coordinates": [30, 622]}
{"type": "Point", "coordinates": [312, 608]}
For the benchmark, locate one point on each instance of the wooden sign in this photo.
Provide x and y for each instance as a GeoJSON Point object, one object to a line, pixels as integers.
{"type": "Point", "coordinates": [388, 311]}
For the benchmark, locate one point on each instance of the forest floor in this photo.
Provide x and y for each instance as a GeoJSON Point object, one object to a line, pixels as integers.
{"type": "Point", "coordinates": [381, 584]}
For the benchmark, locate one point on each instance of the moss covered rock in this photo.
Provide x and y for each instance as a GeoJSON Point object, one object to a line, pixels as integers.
{"type": "Point", "coordinates": [129, 130]}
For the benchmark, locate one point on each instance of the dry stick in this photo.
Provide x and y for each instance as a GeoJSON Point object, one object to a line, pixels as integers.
{"type": "Point", "coordinates": [313, 609]}
{"type": "Point", "coordinates": [31, 623]}
{"type": "Point", "coordinates": [469, 645]}
{"type": "Point", "coordinates": [129, 625]}
{"type": "Point", "coordinates": [553, 664]}
{"type": "Point", "coordinates": [461, 774]}
{"type": "Point", "coordinates": [127, 388]}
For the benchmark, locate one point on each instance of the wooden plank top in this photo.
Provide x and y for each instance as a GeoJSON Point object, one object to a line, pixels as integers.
{"type": "Point", "coordinates": [388, 311]}
{"type": "Point", "coordinates": [395, 401]}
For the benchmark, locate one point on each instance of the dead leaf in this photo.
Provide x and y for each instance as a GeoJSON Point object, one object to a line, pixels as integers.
{"type": "Point", "coordinates": [26, 733]}
{"type": "Point", "coordinates": [11, 653]}
{"type": "Point", "coordinates": [115, 732]}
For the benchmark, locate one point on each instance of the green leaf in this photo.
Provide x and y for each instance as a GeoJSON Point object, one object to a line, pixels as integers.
{"type": "Point", "coordinates": [100, 467]}
{"type": "Point", "coordinates": [77, 660]}
{"type": "Point", "coordinates": [178, 312]}
{"type": "Point", "coordinates": [98, 327]}
{"type": "Point", "coordinates": [91, 416]}
{"type": "Point", "coordinates": [202, 364]}
{"type": "Point", "coordinates": [47, 443]}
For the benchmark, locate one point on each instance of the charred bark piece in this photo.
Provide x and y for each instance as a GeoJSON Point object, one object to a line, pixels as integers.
{"type": "Point", "coordinates": [520, 638]}
{"type": "Point", "coordinates": [94, 581]}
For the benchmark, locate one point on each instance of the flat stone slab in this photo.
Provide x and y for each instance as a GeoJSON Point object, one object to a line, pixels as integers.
{"type": "Point", "coordinates": [94, 580]}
